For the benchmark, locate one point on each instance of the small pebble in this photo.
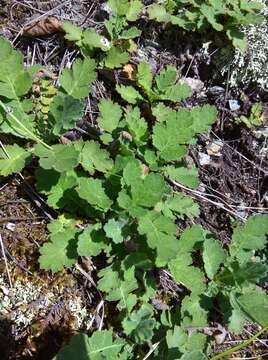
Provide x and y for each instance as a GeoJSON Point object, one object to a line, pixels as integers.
{"type": "Point", "coordinates": [234, 105]}
{"type": "Point", "coordinates": [204, 159]}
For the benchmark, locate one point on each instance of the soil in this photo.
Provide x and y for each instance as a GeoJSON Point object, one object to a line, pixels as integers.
{"type": "Point", "coordinates": [236, 176]}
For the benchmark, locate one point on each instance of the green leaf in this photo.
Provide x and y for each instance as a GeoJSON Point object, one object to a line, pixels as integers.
{"type": "Point", "coordinates": [134, 10]}
{"type": "Point", "coordinates": [238, 39]}
{"type": "Point", "coordinates": [203, 118]}
{"type": "Point", "coordinates": [91, 39]}
{"type": "Point", "coordinates": [115, 58]}
{"type": "Point", "coordinates": [189, 276]}
{"type": "Point", "coordinates": [254, 304]}
{"type": "Point", "coordinates": [73, 33]}
{"type": "Point", "coordinates": [190, 237]}
{"type": "Point", "coordinates": [160, 233]}
{"type": "Point", "coordinates": [13, 159]}
{"type": "Point", "coordinates": [131, 33]}
{"type": "Point", "coordinates": [76, 81]}
{"type": "Point", "coordinates": [140, 324]}
{"type": "Point", "coordinates": [129, 93]}
{"type": "Point", "coordinates": [118, 289]}
{"type": "Point", "coordinates": [60, 251]}
{"type": "Point", "coordinates": [93, 192]}
{"type": "Point", "coordinates": [59, 157]}
{"type": "Point", "coordinates": [111, 114]}
{"type": "Point", "coordinates": [92, 241]}
{"type": "Point", "coordinates": [113, 229]}
{"type": "Point", "coordinates": [145, 76]}
{"type": "Point", "coordinates": [168, 88]}
{"type": "Point", "coordinates": [183, 175]}
{"type": "Point", "coordinates": [194, 355]}
{"type": "Point", "coordinates": [92, 158]}
{"type": "Point", "coordinates": [165, 140]}
{"type": "Point", "coordinates": [97, 347]}
{"type": "Point", "coordinates": [148, 192]}
{"type": "Point", "coordinates": [180, 205]}
{"type": "Point", "coordinates": [249, 236]}
{"type": "Point", "coordinates": [56, 194]}
{"type": "Point", "coordinates": [119, 7]}
{"type": "Point", "coordinates": [65, 111]}
{"type": "Point", "coordinates": [137, 126]}
{"type": "Point", "coordinates": [194, 311]}
{"type": "Point", "coordinates": [213, 256]}
{"type": "Point", "coordinates": [158, 12]}
{"type": "Point", "coordinates": [15, 82]}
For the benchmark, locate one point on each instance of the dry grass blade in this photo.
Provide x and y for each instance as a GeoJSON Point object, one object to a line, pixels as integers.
{"type": "Point", "coordinates": [5, 260]}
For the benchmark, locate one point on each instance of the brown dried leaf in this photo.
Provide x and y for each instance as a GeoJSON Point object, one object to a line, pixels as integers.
{"type": "Point", "coordinates": [130, 71]}
{"type": "Point", "coordinates": [47, 26]}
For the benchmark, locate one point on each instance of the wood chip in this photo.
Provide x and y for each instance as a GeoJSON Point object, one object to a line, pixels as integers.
{"type": "Point", "coordinates": [47, 26]}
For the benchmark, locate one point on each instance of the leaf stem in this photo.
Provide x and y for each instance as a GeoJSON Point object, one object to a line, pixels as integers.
{"type": "Point", "coordinates": [33, 136]}
{"type": "Point", "coordinates": [240, 346]}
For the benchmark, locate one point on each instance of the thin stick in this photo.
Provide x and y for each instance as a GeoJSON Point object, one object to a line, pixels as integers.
{"type": "Point", "coordinates": [151, 350]}
{"type": "Point", "coordinates": [5, 260]}
{"type": "Point", "coordinates": [201, 196]}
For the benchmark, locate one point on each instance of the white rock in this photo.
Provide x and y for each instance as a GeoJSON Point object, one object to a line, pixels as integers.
{"type": "Point", "coordinates": [204, 159]}
{"type": "Point", "coordinates": [234, 105]}
{"type": "Point", "coordinates": [195, 84]}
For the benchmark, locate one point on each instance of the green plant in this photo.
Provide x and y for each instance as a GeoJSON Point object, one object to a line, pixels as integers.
{"type": "Point", "coordinates": [223, 16]}
{"type": "Point", "coordinates": [116, 42]}
{"type": "Point", "coordinates": [256, 117]}
{"type": "Point", "coordinates": [118, 189]}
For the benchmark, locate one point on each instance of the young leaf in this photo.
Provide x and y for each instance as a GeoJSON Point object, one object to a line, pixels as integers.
{"type": "Point", "coordinates": [249, 236]}
{"type": "Point", "coordinates": [213, 256]}
{"type": "Point", "coordinates": [76, 81]}
{"type": "Point", "coordinates": [194, 311]}
{"type": "Point", "coordinates": [145, 76]}
{"type": "Point", "coordinates": [129, 93]}
{"type": "Point", "coordinates": [13, 159]}
{"type": "Point", "coordinates": [159, 13]}
{"type": "Point", "coordinates": [190, 237]}
{"type": "Point", "coordinates": [73, 33]}
{"type": "Point", "coordinates": [134, 10]}
{"type": "Point", "coordinates": [117, 288]}
{"type": "Point", "coordinates": [65, 111]}
{"type": "Point", "coordinates": [111, 114]}
{"type": "Point", "coordinates": [115, 58]}
{"type": "Point", "coordinates": [137, 126]}
{"type": "Point", "coordinates": [113, 229]}
{"type": "Point", "coordinates": [93, 192]}
{"type": "Point", "coordinates": [92, 158]}
{"type": "Point", "coordinates": [203, 118]}
{"type": "Point", "coordinates": [66, 181]}
{"type": "Point", "coordinates": [165, 140]}
{"type": "Point", "coordinates": [185, 176]}
{"type": "Point", "coordinates": [168, 89]}
{"type": "Point", "coordinates": [131, 33]}
{"type": "Point", "coordinates": [91, 39]}
{"type": "Point", "coordinates": [60, 251]}
{"type": "Point", "coordinates": [148, 192]}
{"type": "Point", "coordinates": [140, 324]}
{"type": "Point", "coordinates": [92, 241]}
{"type": "Point", "coordinates": [180, 205]}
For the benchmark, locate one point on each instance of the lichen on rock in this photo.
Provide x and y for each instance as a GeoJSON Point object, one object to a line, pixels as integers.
{"type": "Point", "coordinates": [251, 67]}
